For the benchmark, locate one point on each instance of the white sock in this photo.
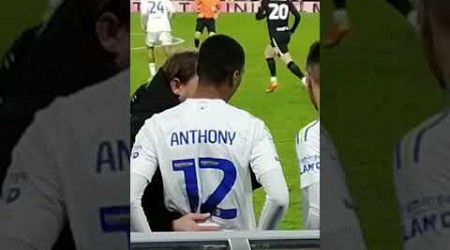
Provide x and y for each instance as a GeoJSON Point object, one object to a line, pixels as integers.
{"type": "Point", "coordinates": [152, 67]}
{"type": "Point", "coordinates": [340, 16]}
{"type": "Point", "coordinates": [273, 79]}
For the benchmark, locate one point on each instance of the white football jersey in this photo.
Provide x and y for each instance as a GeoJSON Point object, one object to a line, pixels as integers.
{"type": "Point", "coordinates": [308, 154]}
{"type": "Point", "coordinates": [205, 150]}
{"type": "Point", "coordinates": [422, 180]}
{"type": "Point", "coordinates": [339, 225]}
{"type": "Point", "coordinates": [72, 166]}
{"type": "Point", "coordinates": [157, 13]}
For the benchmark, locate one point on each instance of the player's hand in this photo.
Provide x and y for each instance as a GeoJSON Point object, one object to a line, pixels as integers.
{"type": "Point", "coordinates": [192, 222]}
{"type": "Point", "coordinates": [216, 16]}
{"type": "Point", "coordinates": [200, 15]}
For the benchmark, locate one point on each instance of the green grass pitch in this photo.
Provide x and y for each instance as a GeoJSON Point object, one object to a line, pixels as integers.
{"type": "Point", "coordinates": [285, 111]}
{"type": "Point", "coordinates": [376, 86]}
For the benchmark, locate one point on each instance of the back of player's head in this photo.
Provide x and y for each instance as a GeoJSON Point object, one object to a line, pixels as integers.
{"type": "Point", "coordinates": [221, 60]}
{"type": "Point", "coordinates": [313, 55]}
{"type": "Point", "coordinates": [434, 22]}
{"type": "Point", "coordinates": [181, 65]}
{"type": "Point", "coordinates": [313, 61]}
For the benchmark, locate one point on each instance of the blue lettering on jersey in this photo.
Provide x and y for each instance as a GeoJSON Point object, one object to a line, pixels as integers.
{"type": "Point", "coordinates": [205, 136]}
{"type": "Point", "coordinates": [112, 156]}
{"type": "Point", "coordinates": [310, 164]}
{"type": "Point", "coordinates": [429, 223]}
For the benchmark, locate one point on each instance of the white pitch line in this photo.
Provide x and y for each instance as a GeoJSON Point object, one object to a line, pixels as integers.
{"type": "Point", "coordinates": [138, 48]}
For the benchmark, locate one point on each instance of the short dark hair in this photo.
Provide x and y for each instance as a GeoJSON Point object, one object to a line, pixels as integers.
{"type": "Point", "coordinates": [219, 57]}
{"type": "Point", "coordinates": [313, 55]}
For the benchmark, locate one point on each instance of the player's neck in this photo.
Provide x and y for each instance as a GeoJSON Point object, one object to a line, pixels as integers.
{"type": "Point", "coordinates": [210, 91]}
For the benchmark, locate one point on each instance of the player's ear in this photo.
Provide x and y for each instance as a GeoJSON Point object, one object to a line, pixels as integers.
{"type": "Point", "coordinates": [175, 85]}
{"type": "Point", "coordinates": [237, 76]}
{"type": "Point", "coordinates": [107, 29]}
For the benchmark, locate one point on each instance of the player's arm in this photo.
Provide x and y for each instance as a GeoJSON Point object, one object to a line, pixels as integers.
{"type": "Point", "coordinates": [31, 206]}
{"type": "Point", "coordinates": [198, 4]}
{"type": "Point", "coordinates": [296, 15]}
{"type": "Point", "coordinates": [265, 164]}
{"type": "Point", "coordinates": [170, 8]}
{"type": "Point", "coordinates": [308, 154]}
{"type": "Point", "coordinates": [216, 9]}
{"type": "Point", "coordinates": [144, 14]}
{"type": "Point", "coordinates": [143, 164]}
{"type": "Point", "coordinates": [261, 13]}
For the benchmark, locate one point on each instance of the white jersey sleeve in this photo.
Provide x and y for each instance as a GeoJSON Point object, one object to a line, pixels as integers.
{"type": "Point", "coordinates": [32, 210]}
{"type": "Point", "coordinates": [308, 154]}
{"type": "Point", "coordinates": [266, 165]}
{"type": "Point", "coordinates": [143, 165]}
{"type": "Point", "coordinates": [340, 225]}
{"type": "Point", "coordinates": [169, 6]}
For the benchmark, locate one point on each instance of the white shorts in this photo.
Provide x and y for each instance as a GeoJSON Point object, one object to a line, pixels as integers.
{"type": "Point", "coordinates": [163, 38]}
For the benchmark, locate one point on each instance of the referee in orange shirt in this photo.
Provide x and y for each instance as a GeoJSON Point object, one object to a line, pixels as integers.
{"type": "Point", "coordinates": [207, 13]}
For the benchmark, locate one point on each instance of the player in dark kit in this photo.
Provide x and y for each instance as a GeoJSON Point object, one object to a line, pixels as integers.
{"type": "Point", "coordinates": [277, 14]}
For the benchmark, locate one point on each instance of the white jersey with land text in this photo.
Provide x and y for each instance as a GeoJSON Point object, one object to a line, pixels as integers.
{"type": "Point", "coordinates": [422, 181]}
{"type": "Point", "coordinates": [308, 154]}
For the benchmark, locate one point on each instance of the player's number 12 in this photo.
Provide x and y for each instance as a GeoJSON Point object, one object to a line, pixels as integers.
{"type": "Point", "coordinates": [188, 167]}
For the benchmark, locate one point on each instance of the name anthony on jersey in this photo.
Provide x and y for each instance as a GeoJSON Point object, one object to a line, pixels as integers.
{"type": "Point", "coordinates": [187, 137]}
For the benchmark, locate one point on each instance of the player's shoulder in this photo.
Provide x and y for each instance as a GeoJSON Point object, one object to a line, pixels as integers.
{"type": "Point", "coordinates": [88, 107]}
{"type": "Point", "coordinates": [309, 133]}
{"type": "Point", "coordinates": [409, 150]}
{"type": "Point", "coordinates": [245, 116]}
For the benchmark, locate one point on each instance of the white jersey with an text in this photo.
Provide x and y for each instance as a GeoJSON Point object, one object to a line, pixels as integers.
{"type": "Point", "coordinates": [422, 180]}
{"type": "Point", "coordinates": [308, 154]}
{"type": "Point", "coordinates": [72, 167]}
{"type": "Point", "coordinates": [339, 225]}
{"type": "Point", "coordinates": [157, 13]}
{"type": "Point", "coordinates": [205, 150]}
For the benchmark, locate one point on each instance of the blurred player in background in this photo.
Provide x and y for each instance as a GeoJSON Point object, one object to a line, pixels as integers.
{"type": "Point", "coordinates": [155, 19]}
{"type": "Point", "coordinates": [207, 13]}
{"type": "Point", "coordinates": [206, 150]}
{"type": "Point", "coordinates": [421, 163]}
{"type": "Point", "coordinates": [277, 13]}
{"type": "Point", "coordinates": [341, 23]}
{"type": "Point", "coordinates": [308, 147]}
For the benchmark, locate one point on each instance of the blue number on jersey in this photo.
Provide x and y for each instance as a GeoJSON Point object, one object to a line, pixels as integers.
{"type": "Point", "coordinates": [224, 188]}
{"type": "Point", "coordinates": [156, 8]}
{"type": "Point", "coordinates": [116, 220]}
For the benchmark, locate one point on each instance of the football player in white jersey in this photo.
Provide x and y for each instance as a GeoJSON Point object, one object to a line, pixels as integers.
{"type": "Point", "coordinates": [308, 147]}
{"type": "Point", "coordinates": [71, 165]}
{"type": "Point", "coordinates": [206, 148]}
{"type": "Point", "coordinates": [421, 162]}
{"type": "Point", "coordinates": [155, 15]}
{"type": "Point", "coordinates": [339, 224]}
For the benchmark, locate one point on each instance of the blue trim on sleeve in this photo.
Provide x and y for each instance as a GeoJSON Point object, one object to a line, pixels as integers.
{"type": "Point", "coordinates": [421, 134]}
{"type": "Point", "coordinates": [307, 129]}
